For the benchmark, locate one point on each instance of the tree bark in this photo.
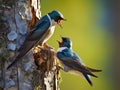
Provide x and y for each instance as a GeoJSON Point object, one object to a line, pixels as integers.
{"type": "Point", "coordinates": [16, 19]}
{"type": "Point", "coordinates": [47, 63]}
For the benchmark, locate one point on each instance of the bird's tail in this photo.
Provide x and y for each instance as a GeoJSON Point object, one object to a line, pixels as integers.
{"type": "Point", "coordinates": [93, 70]}
{"type": "Point", "coordinates": [14, 62]}
{"type": "Point", "coordinates": [23, 51]}
{"type": "Point", "coordinates": [91, 74]}
{"type": "Point", "coordinates": [88, 79]}
{"type": "Point", "coordinates": [20, 55]}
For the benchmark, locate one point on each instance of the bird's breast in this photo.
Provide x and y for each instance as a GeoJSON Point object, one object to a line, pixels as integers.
{"type": "Point", "coordinates": [52, 29]}
{"type": "Point", "coordinates": [48, 33]}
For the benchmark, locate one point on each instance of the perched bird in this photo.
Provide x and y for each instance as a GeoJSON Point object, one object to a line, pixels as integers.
{"type": "Point", "coordinates": [43, 30]}
{"type": "Point", "coordinates": [72, 62]}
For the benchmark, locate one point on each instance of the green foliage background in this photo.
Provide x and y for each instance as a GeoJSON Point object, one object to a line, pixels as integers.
{"type": "Point", "coordinates": [92, 39]}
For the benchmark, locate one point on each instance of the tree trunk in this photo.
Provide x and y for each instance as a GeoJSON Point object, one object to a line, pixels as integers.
{"type": "Point", "coordinates": [16, 19]}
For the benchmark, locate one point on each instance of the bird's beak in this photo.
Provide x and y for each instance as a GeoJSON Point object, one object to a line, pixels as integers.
{"type": "Point", "coordinates": [64, 19]}
{"type": "Point", "coordinates": [59, 22]}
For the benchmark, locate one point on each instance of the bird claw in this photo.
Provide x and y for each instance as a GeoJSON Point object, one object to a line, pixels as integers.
{"type": "Point", "coordinates": [46, 46]}
{"type": "Point", "coordinates": [59, 67]}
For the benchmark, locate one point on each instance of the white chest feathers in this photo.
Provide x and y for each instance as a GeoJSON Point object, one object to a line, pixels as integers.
{"type": "Point", "coordinates": [53, 23]}
{"type": "Point", "coordinates": [52, 29]}
{"type": "Point", "coordinates": [61, 49]}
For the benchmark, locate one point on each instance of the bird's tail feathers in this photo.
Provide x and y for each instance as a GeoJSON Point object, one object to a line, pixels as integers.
{"type": "Point", "coordinates": [20, 55]}
{"type": "Point", "coordinates": [93, 70]}
{"type": "Point", "coordinates": [14, 61]}
{"type": "Point", "coordinates": [91, 74]}
{"type": "Point", "coordinates": [88, 79]}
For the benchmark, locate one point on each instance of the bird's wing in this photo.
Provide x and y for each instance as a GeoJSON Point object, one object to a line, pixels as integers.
{"type": "Point", "coordinates": [34, 36]}
{"type": "Point", "coordinates": [39, 21]}
{"type": "Point", "coordinates": [31, 40]}
{"type": "Point", "coordinates": [69, 60]}
{"type": "Point", "coordinates": [75, 56]}
{"type": "Point", "coordinates": [23, 51]}
{"type": "Point", "coordinates": [75, 64]}
{"type": "Point", "coordinates": [39, 31]}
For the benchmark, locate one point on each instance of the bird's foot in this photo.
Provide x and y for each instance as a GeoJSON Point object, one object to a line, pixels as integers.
{"type": "Point", "coordinates": [59, 67]}
{"type": "Point", "coordinates": [46, 46]}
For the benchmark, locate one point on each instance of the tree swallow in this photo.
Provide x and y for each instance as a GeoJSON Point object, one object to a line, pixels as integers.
{"type": "Point", "coordinates": [43, 30]}
{"type": "Point", "coordinates": [72, 62]}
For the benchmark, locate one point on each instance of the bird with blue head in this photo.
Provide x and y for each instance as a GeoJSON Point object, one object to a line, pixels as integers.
{"type": "Point", "coordinates": [43, 30]}
{"type": "Point", "coordinates": [71, 62]}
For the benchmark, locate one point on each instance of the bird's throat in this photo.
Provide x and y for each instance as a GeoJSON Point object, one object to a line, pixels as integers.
{"type": "Point", "coordinates": [61, 49]}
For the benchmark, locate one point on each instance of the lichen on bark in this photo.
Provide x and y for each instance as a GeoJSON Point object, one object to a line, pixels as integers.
{"type": "Point", "coordinates": [16, 19]}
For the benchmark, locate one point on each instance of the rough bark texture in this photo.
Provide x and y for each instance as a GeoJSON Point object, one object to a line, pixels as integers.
{"type": "Point", "coordinates": [16, 19]}
{"type": "Point", "coordinates": [46, 62]}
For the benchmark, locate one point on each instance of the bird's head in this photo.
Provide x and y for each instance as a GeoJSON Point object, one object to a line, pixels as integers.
{"type": "Point", "coordinates": [66, 42]}
{"type": "Point", "coordinates": [56, 17]}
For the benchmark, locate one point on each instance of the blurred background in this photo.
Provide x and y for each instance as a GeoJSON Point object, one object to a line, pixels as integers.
{"type": "Point", "coordinates": [91, 26]}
